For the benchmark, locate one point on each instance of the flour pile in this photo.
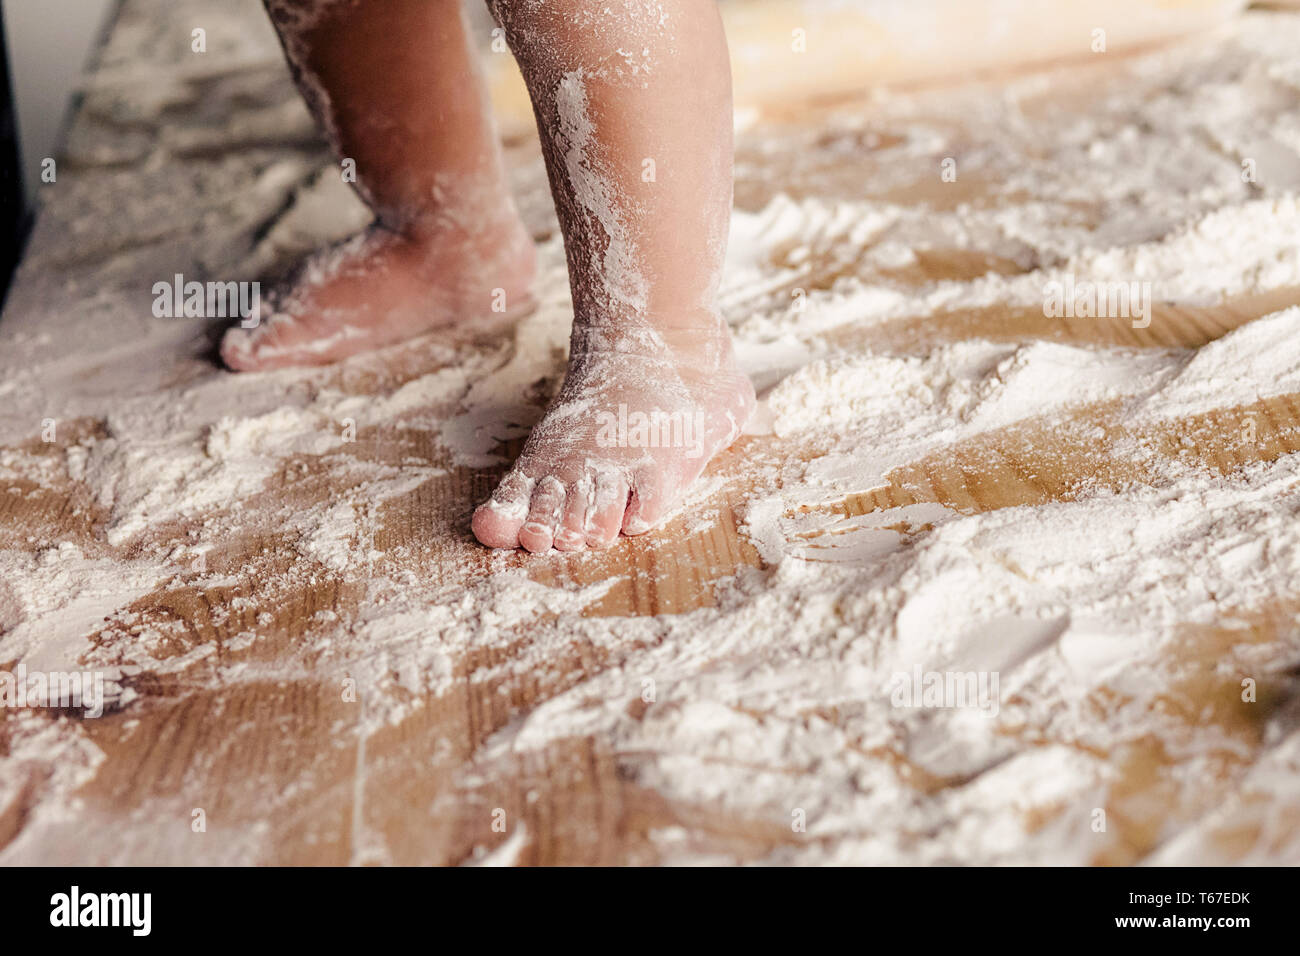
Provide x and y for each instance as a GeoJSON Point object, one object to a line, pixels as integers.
{"type": "Point", "coordinates": [942, 480]}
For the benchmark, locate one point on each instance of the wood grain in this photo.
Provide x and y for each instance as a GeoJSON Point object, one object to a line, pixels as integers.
{"type": "Point", "coordinates": [288, 770]}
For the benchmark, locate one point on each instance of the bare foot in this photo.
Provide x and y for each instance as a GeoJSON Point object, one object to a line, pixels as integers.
{"type": "Point", "coordinates": [382, 287]}
{"type": "Point", "coordinates": [634, 424]}
{"type": "Point", "coordinates": [395, 87]}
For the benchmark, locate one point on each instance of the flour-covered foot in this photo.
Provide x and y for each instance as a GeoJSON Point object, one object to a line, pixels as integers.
{"type": "Point", "coordinates": [637, 419]}
{"type": "Point", "coordinates": [382, 287]}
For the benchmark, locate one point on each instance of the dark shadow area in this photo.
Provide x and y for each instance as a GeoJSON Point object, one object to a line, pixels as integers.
{"type": "Point", "coordinates": [15, 217]}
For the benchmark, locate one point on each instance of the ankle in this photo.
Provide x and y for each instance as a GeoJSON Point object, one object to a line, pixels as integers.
{"type": "Point", "coordinates": [705, 347]}
{"type": "Point", "coordinates": [447, 223]}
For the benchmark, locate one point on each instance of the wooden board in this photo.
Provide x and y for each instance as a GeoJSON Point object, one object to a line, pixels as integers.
{"type": "Point", "coordinates": [793, 51]}
{"type": "Point", "coordinates": [287, 770]}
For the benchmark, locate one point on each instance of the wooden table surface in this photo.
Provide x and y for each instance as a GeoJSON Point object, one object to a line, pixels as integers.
{"type": "Point", "coordinates": [257, 734]}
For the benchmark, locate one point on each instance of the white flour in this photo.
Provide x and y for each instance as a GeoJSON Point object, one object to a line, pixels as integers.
{"type": "Point", "coordinates": [775, 705]}
{"type": "Point", "coordinates": [618, 273]}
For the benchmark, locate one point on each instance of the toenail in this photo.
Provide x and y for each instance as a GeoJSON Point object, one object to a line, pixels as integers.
{"type": "Point", "coordinates": [637, 526]}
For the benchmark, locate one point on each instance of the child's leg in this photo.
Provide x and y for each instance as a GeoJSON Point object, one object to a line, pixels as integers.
{"type": "Point", "coordinates": [394, 84]}
{"type": "Point", "coordinates": [633, 99]}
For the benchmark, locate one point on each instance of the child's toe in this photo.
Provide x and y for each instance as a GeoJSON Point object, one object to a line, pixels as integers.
{"type": "Point", "coordinates": [237, 351]}
{"type": "Point", "coordinates": [605, 518]}
{"type": "Point", "coordinates": [496, 522]}
{"type": "Point", "coordinates": [494, 529]}
{"type": "Point", "coordinates": [648, 504]}
{"type": "Point", "coordinates": [538, 531]}
{"type": "Point", "coordinates": [571, 534]}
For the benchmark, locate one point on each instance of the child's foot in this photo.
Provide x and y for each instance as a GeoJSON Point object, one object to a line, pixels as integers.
{"type": "Point", "coordinates": [382, 287]}
{"type": "Point", "coordinates": [634, 424]}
